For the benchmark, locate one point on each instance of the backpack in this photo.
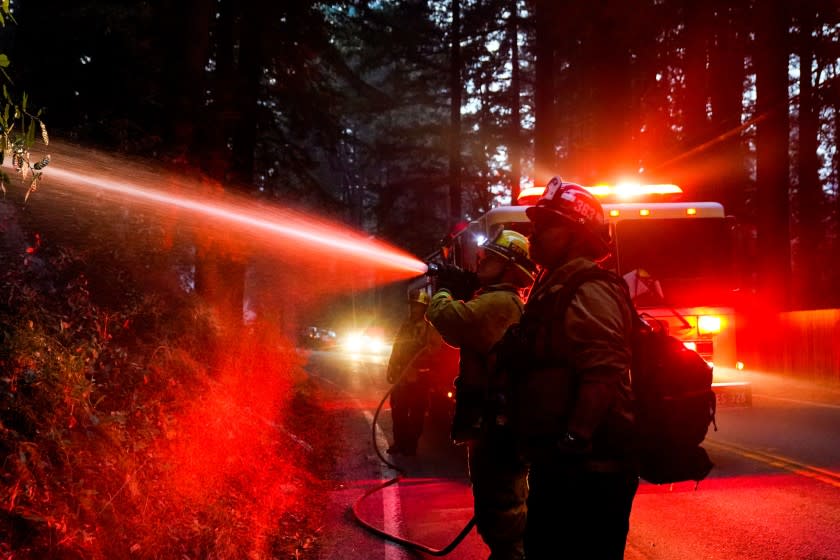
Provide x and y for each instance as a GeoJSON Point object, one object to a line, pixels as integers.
{"type": "Point", "coordinates": [672, 390]}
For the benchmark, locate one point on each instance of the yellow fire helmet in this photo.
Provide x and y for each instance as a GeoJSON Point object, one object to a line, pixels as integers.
{"type": "Point", "coordinates": [419, 296]}
{"type": "Point", "coordinates": [513, 246]}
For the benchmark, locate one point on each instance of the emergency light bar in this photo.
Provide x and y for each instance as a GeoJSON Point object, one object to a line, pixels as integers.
{"type": "Point", "coordinates": [632, 190]}
{"type": "Point", "coordinates": [530, 192]}
{"type": "Point", "coordinates": [621, 190]}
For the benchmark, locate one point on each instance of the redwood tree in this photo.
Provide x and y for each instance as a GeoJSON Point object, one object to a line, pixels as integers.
{"type": "Point", "coordinates": [811, 234]}
{"type": "Point", "coordinates": [770, 56]}
{"type": "Point", "coordinates": [544, 157]}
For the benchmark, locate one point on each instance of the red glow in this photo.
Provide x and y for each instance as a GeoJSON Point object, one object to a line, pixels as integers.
{"type": "Point", "coordinates": [622, 191]}
{"type": "Point", "coordinates": [229, 453]}
{"type": "Point", "coordinates": [34, 248]}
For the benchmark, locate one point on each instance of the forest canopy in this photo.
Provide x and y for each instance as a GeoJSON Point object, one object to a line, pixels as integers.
{"type": "Point", "coordinates": [404, 117]}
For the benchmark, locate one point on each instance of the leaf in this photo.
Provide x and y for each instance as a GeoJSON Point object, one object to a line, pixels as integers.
{"type": "Point", "coordinates": [19, 165]}
{"type": "Point", "coordinates": [43, 163]}
{"type": "Point", "coordinates": [32, 188]}
{"type": "Point", "coordinates": [4, 61]}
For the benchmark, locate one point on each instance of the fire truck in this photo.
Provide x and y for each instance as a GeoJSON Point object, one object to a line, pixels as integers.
{"type": "Point", "coordinates": [678, 258]}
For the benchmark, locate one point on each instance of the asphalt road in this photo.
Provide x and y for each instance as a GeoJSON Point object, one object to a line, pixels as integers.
{"type": "Point", "coordinates": [774, 493]}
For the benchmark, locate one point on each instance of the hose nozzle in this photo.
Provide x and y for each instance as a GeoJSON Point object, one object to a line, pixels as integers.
{"type": "Point", "coordinates": [433, 269]}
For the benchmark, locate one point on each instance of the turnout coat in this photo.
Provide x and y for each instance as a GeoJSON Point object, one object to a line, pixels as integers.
{"type": "Point", "coordinates": [572, 369]}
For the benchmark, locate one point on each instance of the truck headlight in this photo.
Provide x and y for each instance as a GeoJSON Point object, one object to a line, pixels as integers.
{"type": "Point", "coordinates": [354, 342]}
{"type": "Point", "coordinates": [708, 324]}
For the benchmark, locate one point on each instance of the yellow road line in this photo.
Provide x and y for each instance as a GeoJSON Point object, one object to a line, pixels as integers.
{"type": "Point", "coordinates": [823, 475]}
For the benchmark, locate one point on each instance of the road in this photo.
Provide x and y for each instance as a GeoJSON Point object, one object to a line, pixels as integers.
{"type": "Point", "coordinates": [774, 492]}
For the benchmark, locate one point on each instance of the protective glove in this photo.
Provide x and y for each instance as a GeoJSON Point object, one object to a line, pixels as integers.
{"type": "Point", "coordinates": [462, 284]}
{"type": "Point", "coordinates": [469, 286]}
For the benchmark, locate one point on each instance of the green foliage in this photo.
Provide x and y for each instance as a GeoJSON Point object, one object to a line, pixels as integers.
{"type": "Point", "coordinates": [18, 129]}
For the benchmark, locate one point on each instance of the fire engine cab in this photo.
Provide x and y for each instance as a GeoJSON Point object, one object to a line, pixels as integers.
{"type": "Point", "coordinates": [678, 258]}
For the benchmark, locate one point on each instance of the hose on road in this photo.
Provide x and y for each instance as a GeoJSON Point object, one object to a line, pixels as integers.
{"type": "Point", "coordinates": [400, 473]}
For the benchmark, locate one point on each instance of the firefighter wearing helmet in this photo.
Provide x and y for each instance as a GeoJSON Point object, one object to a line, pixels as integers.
{"type": "Point", "coordinates": [474, 324]}
{"type": "Point", "coordinates": [409, 369]}
{"type": "Point", "coordinates": [570, 365]}
{"type": "Point", "coordinates": [420, 297]}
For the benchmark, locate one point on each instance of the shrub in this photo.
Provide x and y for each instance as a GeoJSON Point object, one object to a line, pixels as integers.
{"type": "Point", "coordinates": [142, 426]}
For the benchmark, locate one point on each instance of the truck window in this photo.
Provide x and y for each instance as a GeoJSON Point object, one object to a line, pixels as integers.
{"type": "Point", "coordinates": [693, 259]}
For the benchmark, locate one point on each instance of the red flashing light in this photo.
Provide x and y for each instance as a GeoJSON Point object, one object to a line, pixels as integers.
{"type": "Point", "coordinates": [530, 193]}
{"type": "Point", "coordinates": [634, 190]}
{"type": "Point", "coordinates": [622, 191]}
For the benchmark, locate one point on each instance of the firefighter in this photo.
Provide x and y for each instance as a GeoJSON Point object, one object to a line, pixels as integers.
{"type": "Point", "coordinates": [498, 476]}
{"type": "Point", "coordinates": [408, 368]}
{"type": "Point", "coordinates": [571, 387]}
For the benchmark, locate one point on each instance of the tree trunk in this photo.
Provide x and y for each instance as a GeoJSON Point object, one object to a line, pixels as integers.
{"type": "Point", "coordinates": [834, 88]}
{"type": "Point", "coordinates": [544, 156]}
{"type": "Point", "coordinates": [190, 40]}
{"type": "Point", "coordinates": [810, 192]}
{"type": "Point", "coordinates": [195, 136]}
{"type": "Point", "coordinates": [726, 72]}
{"type": "Point", "coordinates": [515, 118]}
{"type": "Point", "coordinates": [231, 134]}
{"type": "Point", "coordinates": [772, 172]}
{"type": "Point", "coordinates": [215, 156]}
{"type": "Point", "coordinates": [248, 80]}
{"type": "Point", "coordinates": [455, 117]}
{"type": "Point", "coordinates": [612, 156]}
{"type": "Point", "coordinates": [697, 19]}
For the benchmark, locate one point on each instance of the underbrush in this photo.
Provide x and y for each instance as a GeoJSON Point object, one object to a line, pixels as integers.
{"type": "Point", "coordinates": [145, 427]}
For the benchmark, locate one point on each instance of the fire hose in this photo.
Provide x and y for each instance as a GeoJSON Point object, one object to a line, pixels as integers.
{"type": "Point", "coordinates": [401, 472]}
